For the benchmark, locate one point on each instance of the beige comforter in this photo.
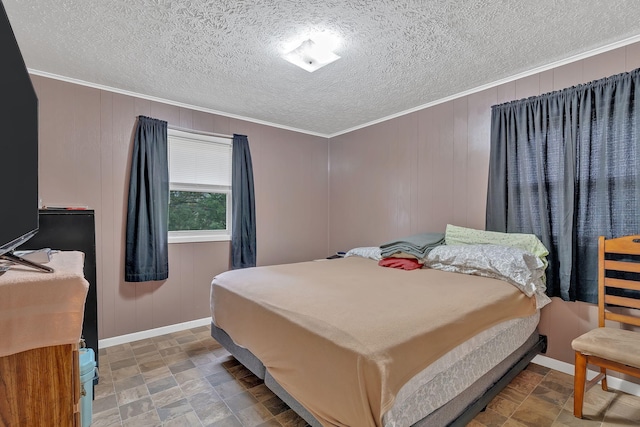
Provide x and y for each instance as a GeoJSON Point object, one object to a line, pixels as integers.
{"type": "Point", "coordinates": [343, 336]}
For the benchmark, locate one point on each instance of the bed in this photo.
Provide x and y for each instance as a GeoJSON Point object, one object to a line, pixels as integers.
{"type": "Point", "coordinates": [346, 342]}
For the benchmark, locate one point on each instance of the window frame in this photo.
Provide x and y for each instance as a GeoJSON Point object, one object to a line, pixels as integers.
{"type": "Point", "coordinates": [196, 236]}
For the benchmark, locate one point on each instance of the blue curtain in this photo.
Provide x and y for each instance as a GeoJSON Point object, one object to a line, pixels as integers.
{"type": "Point", "coordinates": [566, 167]}
{"type": "Point", "coordinates": [146, 251]}
{"type": "Point", "coordinates": [243, 234]}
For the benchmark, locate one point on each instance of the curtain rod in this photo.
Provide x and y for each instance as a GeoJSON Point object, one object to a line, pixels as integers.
{"type": "Point", "coordinates": [200, 132]}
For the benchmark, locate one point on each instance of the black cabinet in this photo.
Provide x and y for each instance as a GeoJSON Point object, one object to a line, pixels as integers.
{"type": "Point", "coordinates": [73, 230]}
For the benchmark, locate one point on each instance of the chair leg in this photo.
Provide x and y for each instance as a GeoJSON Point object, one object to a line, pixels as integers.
{"type": "Point", "coordinates": [578, 383]}
{"type": "Point", "coordinates": [604, 379]}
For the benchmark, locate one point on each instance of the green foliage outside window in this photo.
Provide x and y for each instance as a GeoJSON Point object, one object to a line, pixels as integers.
{"type": "Point", "coordinates": [192, 210]}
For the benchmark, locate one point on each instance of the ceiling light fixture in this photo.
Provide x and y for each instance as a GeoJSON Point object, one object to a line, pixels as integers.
{"type": "Point", "coordinates": [310, 56]}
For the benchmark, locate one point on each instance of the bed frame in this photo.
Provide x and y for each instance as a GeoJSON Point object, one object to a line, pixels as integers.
{"type": "Point", "coordinates": [457, 412]}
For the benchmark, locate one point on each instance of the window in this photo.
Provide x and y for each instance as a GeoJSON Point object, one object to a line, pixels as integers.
{"type": "Point", "coordinates": [564, 166]}
{"type": "Point", "coordinates": [199, 187]}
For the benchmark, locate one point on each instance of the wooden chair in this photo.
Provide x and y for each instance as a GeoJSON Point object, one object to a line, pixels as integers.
{"type": "Point", "coordinates": [608, 347]}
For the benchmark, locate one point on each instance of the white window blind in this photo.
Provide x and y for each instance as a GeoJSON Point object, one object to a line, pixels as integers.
{"type": "Point", "coordinates": [198, 162]}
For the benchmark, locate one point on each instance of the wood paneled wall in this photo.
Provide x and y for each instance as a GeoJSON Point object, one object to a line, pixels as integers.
{"type": "Point", "coordinates": [413, 173]}
{"type": "Point", "coordinates": [423, 170]}
{"type": "Point", "coordinates": [86, 138]}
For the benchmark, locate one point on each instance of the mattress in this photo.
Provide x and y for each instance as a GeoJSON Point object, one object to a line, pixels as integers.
{"type": "Point", "coordinates": [462, 378]}
{"type": "Point", "coordinates": [454, 372]}
{"type": "Point", "coordinates": [356, 326]}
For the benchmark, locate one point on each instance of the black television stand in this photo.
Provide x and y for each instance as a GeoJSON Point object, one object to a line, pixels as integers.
{"type": "Point", "coordinates": [9, 256]}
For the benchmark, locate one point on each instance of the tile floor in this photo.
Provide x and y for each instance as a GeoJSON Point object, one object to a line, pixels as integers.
{"type": "Point", "coordinates": [187, 379]}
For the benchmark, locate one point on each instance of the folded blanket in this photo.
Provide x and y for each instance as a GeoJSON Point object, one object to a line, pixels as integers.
{"type": "Point", "coordinates": [417, 245]}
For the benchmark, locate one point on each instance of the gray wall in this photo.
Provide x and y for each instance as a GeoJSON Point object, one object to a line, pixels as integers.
{"type": "Point", "coordinates": [423, 170]}
{"type": "Point", "coordinates": [414, 173]}
{"type": "Point", "coordinates": [85, 149]}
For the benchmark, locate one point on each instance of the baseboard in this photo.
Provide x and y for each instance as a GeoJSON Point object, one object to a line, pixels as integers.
{"type": "Point", "coordinates": [150, 333]}
{"type": "Point", "coordinates": [568, 368]}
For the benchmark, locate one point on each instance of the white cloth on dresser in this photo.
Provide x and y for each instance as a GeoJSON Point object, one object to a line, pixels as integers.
{"type": "Point", "coordinates": [39, 309]}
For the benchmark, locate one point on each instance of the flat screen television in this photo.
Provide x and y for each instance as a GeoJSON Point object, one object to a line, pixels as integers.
{"type": "Point", "coordinates": [18, 148]}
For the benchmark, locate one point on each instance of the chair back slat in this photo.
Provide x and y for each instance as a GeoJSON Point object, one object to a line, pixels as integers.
{"type": "Point", "coordinates": [630, 267]}
{"type": "Point", "coordinates": [627, 278]}
{"type": "Point", "coordinates": [627, 245]}
{"type": "Point", "coordinates": [621, 301]}
{"type": "Point", "coordinates": [621, 284]}
{"type": "Point", "coordinates": [623, 318]}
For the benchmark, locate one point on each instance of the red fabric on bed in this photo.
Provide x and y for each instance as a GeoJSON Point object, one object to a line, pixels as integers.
{"type": "Point", "coordinates": [402, 263]}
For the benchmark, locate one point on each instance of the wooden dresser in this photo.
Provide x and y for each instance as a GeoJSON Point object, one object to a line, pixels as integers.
{"type": "Point", "coordinates": [73, 230]}
{"type": "Point", "coordinates": [40, 326]}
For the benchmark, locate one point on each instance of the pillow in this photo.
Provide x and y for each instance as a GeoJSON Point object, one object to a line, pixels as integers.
{"type": "Point", "coordinates": [521, 268]}
{"type": "Point", "coordinates": [455, 235]}
{"type": "Point", "coordinates": [371, 252]}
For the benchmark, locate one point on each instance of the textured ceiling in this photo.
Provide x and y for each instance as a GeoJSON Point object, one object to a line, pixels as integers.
{"type": "Point", "coordinates": [225, 55]}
